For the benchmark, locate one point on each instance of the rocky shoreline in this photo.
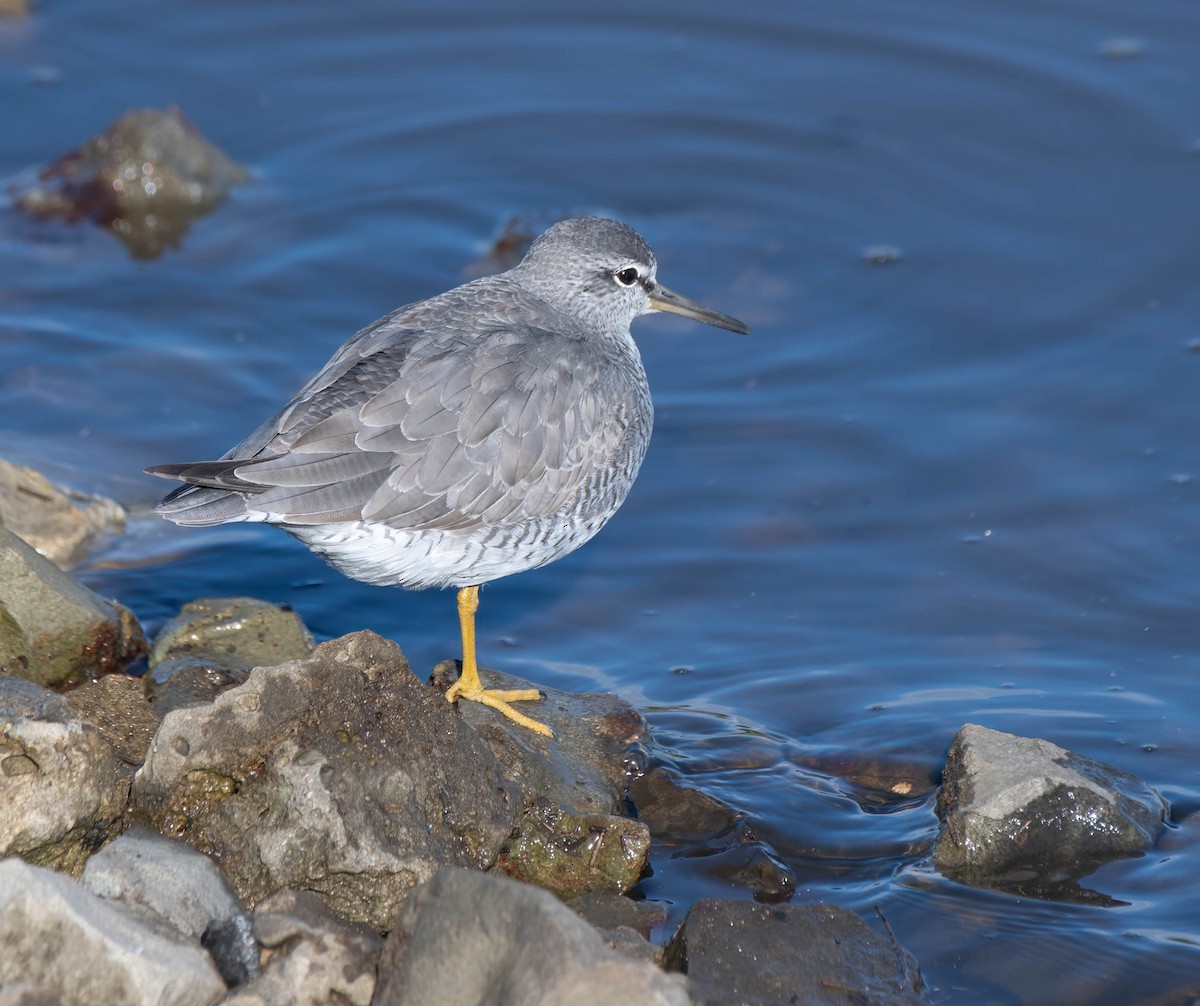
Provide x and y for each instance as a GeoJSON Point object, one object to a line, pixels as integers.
{"type": "Point", "coordinates": [255, 819]}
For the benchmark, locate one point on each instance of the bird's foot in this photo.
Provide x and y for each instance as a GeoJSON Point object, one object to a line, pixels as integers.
{"type": "Point", "coordinates": [499, 699]}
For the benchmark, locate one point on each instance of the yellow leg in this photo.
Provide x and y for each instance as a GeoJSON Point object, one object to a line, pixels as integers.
{"type": "Point", "coordinates": [468, 686]}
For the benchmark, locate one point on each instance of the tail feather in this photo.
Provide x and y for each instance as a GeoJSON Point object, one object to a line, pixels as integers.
{"type": "Point", "coordinates": [214, 494]}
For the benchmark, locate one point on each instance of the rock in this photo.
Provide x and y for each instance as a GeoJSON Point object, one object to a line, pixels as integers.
{"type": "Point", "coordinates": [583, 770]}
{"type": "Point", "coordinates": [339, 774]}
{"type": "Point", "coordinates": [14, 8]}
{"type": "Point", "coordinates": [68, 943]}
{"type": "Point", "coordinates": [879, 779]}
{"type": "Point", "coordinates": [61, 525]}
{"type": "Point", "coordinates": [241, 632]}
{"type": "Point", "coordinates": [1014, 808]}
{"type": "Point", "coordinates": [20, 993]}
{"type": "Point", "coordinates": [624, 924]}
{"type": "Point", "coordinates": [575, 833]}
{"type": "Point", "coordinates": [611, 911]}
{"type": "Point", "coordinates": [695, 824]}
{"type": "Point", "coordinates": [213, 644]}
{"type": "Point", "coordinates": [157, 877]}
{"type": "Point", "coordinates": [465, 939]}
{"type": "Point", "coordinates": [146, 178]}
{"type": "Point", "coordinates": [572, 854]}
{"type": "Point", "coordinates": [233, 948]}
{"type": "Point", "coordinates": [54, 630]}
{"type": "Point", "coordinates": [116, 706]}
{"type": "Point", "coordinates": [60, 791]}
{"type": "Point", "coordinates": [311, 957]}
{"type": "Point", "coordinates": [819, 955]}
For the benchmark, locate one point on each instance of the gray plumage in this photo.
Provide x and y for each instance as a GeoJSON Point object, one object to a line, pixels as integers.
{"type": "Point", "coordinates": [483, 432]}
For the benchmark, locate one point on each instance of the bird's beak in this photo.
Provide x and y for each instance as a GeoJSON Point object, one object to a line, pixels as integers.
{"type": "Point", "coordinates": [662, 299]}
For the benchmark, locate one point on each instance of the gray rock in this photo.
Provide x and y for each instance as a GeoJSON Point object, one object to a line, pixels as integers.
{"type": "Point", "coordinates": [575, 834]}
{"type": "Point", "coordinates": [21, 993]}
{"type": "Point", "coordinates": [624, 924]}
{"type": "Point", "coordinates": [312, 957]}
{"type": "Point", "coordinates": [61, 525]}
{"type": "Point", "coordinates": [116, 706]}
{"type": "Point", "coordinates": [1014, 807]}
{"type": "Point", "coordinates": [160, 877]}
{"type": "Point", "coordinates": [612, 911]}
{"type": "Point", "coordinates": [241, 632]}
{"type": "Point", "coordinates": [66, 942]}
{"type": "Point", "coordinates": [465, 939]}
{"type": "Point", "coordinates": [145, 179]}
{"type": "Point", "coordinates": [214, 643]}
{"type": "Point", "coordinates": [820, 955]}
{"type": "Point", "coordinates": [339, 774]}
{"type": "Point", "coordinates": [584, 769]}
{"type": "Point", "coordinates": [54, 630]}
{"type": "Point", "coordinates": [60, 789]}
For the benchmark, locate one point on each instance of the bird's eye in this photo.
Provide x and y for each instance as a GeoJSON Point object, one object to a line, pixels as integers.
{"type": "Point", "coordinates": [627, 277]}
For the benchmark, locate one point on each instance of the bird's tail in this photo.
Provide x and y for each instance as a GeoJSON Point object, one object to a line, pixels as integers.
{"type": "Point", "coordinates": [207, 499]}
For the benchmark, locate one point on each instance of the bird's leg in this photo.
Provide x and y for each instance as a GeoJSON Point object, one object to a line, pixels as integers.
{"type": "Point", "coordinates": [468, 686]}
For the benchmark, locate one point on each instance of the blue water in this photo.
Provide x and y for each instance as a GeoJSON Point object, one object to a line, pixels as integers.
{"type": "Point", "coordinates": [958, 487]}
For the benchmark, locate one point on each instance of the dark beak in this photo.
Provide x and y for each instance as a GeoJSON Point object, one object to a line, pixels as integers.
{"type": "Point", "coordinates": [662, 299]}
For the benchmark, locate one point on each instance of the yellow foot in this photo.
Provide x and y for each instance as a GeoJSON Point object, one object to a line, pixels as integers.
{"type": "Point", "coordinates": [499, 700]}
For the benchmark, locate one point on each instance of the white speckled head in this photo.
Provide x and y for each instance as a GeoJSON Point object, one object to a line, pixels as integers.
{"type": "Point", "coordinates": [605, 274]}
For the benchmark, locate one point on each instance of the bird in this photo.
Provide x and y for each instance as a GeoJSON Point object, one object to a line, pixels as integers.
{"type": "Point", "coordinates": [486, 431]}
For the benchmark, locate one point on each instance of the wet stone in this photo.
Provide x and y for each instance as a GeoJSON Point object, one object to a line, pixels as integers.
{"type": "Point", "coordinates": [819, 955]}
{"type": "Point", "coordinates": [53, 630]}
{"type": "Point", "coordinates": [116, 706]}
{"type": "Point", "coordinates": [572, 854]}
{"type": "Point", "coordinates": [583, 770]}
{"type": "Point", "coordinates": [145, 178]}
{"type": "Point", "coordinates": [1016, 810]}
{"type": "Point", "coordinates": [212, 645]}
{"type": "Point", "coordinates": [694, 824]}
{"type": "Point", "coordinates": [59, 524]}
{"type": "Point", "coordinates": [60, 789]}
{"type": "Point", "coordinates": [180, 682]}
{"type": "Point", "coordinates": [340, 774]}
{"type": "Point", "coordinates": [612, 911]}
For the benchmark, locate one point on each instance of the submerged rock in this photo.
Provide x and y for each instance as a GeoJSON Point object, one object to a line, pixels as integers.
{"type": "Point", "coordinates": [61, 525]}
{"type": "Point", "coordinates": [146, 178]}
{"type": "Point", "coordinates": [60, 789]}
{"type": "Point", "coordinates": [470, 939]}
{"type": "Point", "coordinates": [339, 774]}
{"type": "Point", "coordinates": [68, 943]}
{"type": "Point", "coordinates": [1017, 808]}
{"type": "Point", "coordinates": [819, 955]}
{"type": "Point", "coordinates": [53, 630]}
{"type": "Point", "coordinates": [689, 823]}
{"type": "Point", "coordinates": [213, 644]}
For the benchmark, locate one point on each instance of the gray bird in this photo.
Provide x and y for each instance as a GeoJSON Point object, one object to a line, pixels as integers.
{"type": "Point", "coordinates": [484, 432]}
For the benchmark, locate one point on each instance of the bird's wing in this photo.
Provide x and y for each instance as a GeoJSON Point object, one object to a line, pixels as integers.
{"type": "Point", "coordinates": [448, 431]}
